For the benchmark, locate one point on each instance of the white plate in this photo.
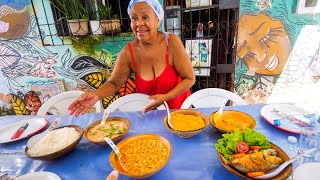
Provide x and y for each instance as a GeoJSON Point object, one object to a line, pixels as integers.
{"type": "Point", "coordinates": [131, 102]}
{"type": "Point", "coordinates": [39, 176]}
{"type": "Point", "coordinates": [309, 171]}
{"type": "Point", "coordinates": [35, 125]}
{"type": "Point", "coordinates": [290, 116]}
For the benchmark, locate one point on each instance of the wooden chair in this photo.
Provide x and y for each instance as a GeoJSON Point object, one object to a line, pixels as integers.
{"type": "Point", "coordinates": [59, 104]}
{"type": "Point", "coordinates": [131, 102]}
{"type": "Point", "coordinates": [211, 97]}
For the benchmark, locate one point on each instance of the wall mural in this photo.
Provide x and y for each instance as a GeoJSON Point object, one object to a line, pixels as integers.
{"type": "Point", "coordinates": [30, 74]}
{"type": "Point", "coordinates": [274, 50]}
{"type": "Point", "coordinates": [14, 18]}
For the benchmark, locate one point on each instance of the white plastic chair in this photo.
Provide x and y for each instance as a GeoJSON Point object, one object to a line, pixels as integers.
{"type": "Point", "coordinates": [131, 102]}
{"type": "Point", "coordinates": [59, 103]}
{"type": "Point", "coordinates": [211, 97]}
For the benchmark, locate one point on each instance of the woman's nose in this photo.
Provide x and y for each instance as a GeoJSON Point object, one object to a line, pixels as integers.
{"type": "Point", "coordinates": [260, 56]}
{"type": "Point", "coordinates": [139, 22]}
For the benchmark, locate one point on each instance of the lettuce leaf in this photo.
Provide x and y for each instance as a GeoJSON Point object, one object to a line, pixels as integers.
{"type": "Point", "coordinates": [254, 138]}
{"type": "Point", "coordinates": [228, 144]}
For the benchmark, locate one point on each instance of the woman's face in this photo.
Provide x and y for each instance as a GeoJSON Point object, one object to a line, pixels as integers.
{"type": "Point", "coordinates": [263, 44]}
{"type": "Point", "coordinates": [144, 22]}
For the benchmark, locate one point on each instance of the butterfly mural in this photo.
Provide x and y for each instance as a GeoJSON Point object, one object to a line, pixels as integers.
{"type": "Point", "coordinates": [94, 73]}
{"type": "Point", "coordinates": [32, 101]}
{"type": "Point", "coordinates": [27, 104]}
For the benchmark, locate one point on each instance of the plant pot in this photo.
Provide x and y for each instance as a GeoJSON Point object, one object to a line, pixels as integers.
{"type": "Point", "coordinates": [96, 27]}
{"type": "Point", "coordinates": [78, 27]}
{"type": "Point", "coordinates": [111, 26]}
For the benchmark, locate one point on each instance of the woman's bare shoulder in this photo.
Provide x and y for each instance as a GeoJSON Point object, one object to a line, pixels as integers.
{"type": "Point", "coordinates": [175, 41]}
{"type": "Point", "coordinates": [124, 54]}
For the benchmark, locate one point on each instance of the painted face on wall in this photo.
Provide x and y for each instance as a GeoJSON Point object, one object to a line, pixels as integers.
{"type": "Point", "coordinates": [263, 44]}
{"type": "Point", "coordinates": [144, 22]}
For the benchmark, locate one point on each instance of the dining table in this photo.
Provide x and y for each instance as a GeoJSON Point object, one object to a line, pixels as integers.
{"type": "Point", "coordinates": [192, 158]}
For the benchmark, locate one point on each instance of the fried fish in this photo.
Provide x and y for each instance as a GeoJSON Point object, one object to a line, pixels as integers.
{"type": "Point", "coordinates": [258, 161]}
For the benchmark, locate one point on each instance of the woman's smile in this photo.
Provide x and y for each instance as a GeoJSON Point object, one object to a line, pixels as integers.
{"type": "Point", "coordinates": [272, 63]}
{"type": "Point", "coordinates": [141, 32]}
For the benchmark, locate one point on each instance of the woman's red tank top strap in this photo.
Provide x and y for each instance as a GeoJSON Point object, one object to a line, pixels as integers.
{"type": "Point", "coordinates": [132, 57]}
{"type": "Point", "coordinates": [167, 51]}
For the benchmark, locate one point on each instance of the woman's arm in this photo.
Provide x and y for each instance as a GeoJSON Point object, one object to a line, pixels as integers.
{"type": "Point", "coordinates": [182, 64]}
{"type": "Point", "coordinates": [119, 76]}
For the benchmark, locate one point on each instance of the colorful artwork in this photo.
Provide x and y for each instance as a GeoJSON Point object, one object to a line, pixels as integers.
{"type": "Point", "coordinates": [45, 89]}
{"type": "Point", "coordinates": [200, 54]}
{"type": "Point", "coordinates": [263, 45]}
{"type": "Point", "coordinates": [276, 51]}
{"type": "Point", "coordinates": [94, 73]}
{"type": "Point", "coordinates": [14, 18]}
{"type": "Point", "coordinates": [24, 62]}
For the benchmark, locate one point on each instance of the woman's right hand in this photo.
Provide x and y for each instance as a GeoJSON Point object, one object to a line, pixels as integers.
{"type": "Point", "coordinates": [83, 103]}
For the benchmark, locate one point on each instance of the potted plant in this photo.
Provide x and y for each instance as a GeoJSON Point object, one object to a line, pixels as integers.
{"type": "Point", "coordinates": [109, 22]}
{"type": "Point", "coordinates": [94, 17]}
{"type": "Point", "coordinates": [116, 25]}
{"type": "Point", "coordinates": [75, 13]}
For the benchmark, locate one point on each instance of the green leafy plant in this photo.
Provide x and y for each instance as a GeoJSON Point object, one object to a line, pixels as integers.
{"type": "Point", "coordinates": [105, 12]}
{"type": "Point", "coordinates": [115, 16]}
{"type": "Point", "coordinates": [71, 9]}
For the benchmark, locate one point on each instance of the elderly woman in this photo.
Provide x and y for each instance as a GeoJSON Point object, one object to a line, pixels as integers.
{"type": "Point", "coordinates": [161, 65]}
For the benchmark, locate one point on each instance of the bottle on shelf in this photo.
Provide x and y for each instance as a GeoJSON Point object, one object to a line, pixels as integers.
{"type": "Point", "coordinates": [171, 2]}
{"type": "Point", "coordinates": [167, 2]}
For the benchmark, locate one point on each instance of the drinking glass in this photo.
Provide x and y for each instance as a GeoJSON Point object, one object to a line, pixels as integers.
{"type": "Point", "coordinates": [309, 138]}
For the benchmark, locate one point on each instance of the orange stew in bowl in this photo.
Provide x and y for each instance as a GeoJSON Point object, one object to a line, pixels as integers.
{"type": "Point", "coordinates": [185, 122]}
{"type": "Point", "coordinates": [144, 156]}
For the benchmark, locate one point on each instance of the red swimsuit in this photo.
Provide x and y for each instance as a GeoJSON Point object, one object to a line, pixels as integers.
{"type": "Point", "coordinates": [162, 84]}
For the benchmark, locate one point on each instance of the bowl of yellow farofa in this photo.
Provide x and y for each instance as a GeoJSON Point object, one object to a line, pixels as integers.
{"type": "Point", "coordinates": [186, 123]}
{"type": "Point", "coordinates": [143, 155]}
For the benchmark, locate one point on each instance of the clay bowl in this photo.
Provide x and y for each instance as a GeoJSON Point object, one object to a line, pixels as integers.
{"type": "Point", "coordinates": [283, 175]}
{"type": "Point", "coordinates": [61, 152]}
{"type": "Point", "coordinates": [231, 114]}
{"type": "Point", "coordinates": [186, 134]}
{"type": "Point", "coordinates": [109, 119]}
{"type": "Point", "coordinates": [114, 161]}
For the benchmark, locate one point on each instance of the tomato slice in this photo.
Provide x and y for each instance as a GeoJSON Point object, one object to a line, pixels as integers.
{"type": "Point", "coordinates": [242, 147]}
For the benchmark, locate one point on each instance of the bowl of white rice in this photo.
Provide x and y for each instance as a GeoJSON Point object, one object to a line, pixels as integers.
{"type": "Point", "coordinates": [55, 143]}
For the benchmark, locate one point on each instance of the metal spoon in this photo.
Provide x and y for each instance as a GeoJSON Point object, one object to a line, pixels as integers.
{"type": "Point", "coordinates": [276, 171]}
{"type": "Point", "coordinates": [34, 139]}
{"type": "Point", "coordinates": [121, 157]}
{"type": "Point", "coordinates": [168, 112]}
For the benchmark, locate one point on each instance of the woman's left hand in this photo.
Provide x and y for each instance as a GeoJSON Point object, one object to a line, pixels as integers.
{"type": "Point", "coordinates": [158, 101]}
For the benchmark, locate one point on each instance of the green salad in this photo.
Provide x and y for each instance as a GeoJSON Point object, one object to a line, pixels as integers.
{"type": "Point", "coordinates": [228, 144]}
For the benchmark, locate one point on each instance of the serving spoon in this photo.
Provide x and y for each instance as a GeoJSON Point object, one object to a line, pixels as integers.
{"type": "Point", "coordinates": [34, 139]}
{"type": "Point", "coordinates": [168, 112]}
{"type": "Point", "coordinates": [104, 118]}
{"type": "Point", "coordinates": [221, 107]}
{"type": "Point", "coordinates": [276, 171]}
{"type": "Point", "coordinates": [120, 156]}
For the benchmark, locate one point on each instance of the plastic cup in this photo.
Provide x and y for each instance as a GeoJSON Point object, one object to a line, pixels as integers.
{"type": "Point", "coordinates": [309, 138]}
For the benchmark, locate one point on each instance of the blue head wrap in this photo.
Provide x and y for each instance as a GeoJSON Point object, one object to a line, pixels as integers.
{"type": "Point", "coordinates": [154, 4]}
